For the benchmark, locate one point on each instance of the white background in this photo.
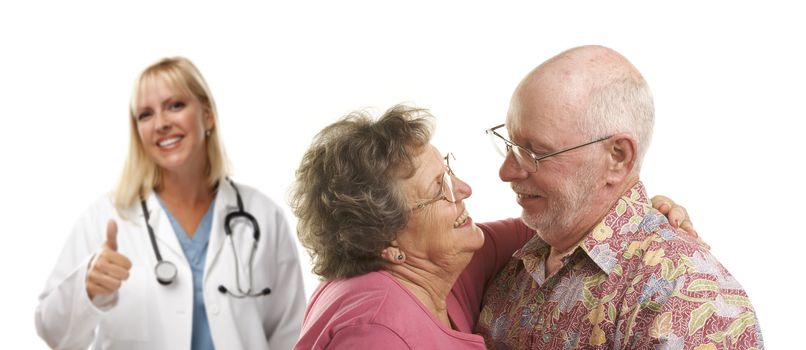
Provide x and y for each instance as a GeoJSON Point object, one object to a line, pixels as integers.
{"type": "Point", "coordinates": [727, 78]}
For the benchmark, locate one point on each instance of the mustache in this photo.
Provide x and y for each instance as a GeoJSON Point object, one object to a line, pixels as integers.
{"type": "Point", "coordinates": [524, 189]}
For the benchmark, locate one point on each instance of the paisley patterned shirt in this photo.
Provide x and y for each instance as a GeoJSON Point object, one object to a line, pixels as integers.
{"type": "Point", "coordinates": [631, 283]}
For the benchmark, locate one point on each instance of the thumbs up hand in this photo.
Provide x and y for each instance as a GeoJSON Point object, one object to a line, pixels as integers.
{"type": "Point", "coordinates": [112, 235]}
{"type": "Point", "coordinates": [109, 268]}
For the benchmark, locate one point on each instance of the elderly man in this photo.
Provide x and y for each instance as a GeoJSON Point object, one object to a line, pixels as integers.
{"type": "Point", "coordinates": [605, 270]}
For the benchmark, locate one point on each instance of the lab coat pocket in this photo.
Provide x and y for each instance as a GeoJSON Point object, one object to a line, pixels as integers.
{"type": "Point", "coordinates": [128, 320]}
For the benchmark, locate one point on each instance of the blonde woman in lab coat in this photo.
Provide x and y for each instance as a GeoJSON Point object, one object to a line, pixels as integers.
{"type": "Point", "coordinates": [179, 256]}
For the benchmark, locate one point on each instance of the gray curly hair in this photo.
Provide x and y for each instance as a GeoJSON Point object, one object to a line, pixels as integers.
{"type": "Point", "coordinates": [347, 192]}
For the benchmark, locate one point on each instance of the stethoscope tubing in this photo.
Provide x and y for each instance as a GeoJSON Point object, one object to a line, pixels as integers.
{"type": "Point", "coordinates": [166, 271]}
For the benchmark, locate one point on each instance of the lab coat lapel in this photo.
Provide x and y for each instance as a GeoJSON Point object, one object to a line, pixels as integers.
{"type": "Point", "coordinates": [164, 232]}
{"type": "Point", "coordinates": [225, 203]}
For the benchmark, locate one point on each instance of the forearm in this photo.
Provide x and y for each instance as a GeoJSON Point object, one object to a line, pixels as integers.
{"type": "Point", "coordinates": [66, 317]}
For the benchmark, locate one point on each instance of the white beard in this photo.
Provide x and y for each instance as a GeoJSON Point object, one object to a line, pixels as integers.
{"type": "Point", "coordinates": [568, 204]}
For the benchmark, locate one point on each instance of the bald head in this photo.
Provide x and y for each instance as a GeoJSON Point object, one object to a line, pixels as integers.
{"type": "Point", "coordinates": [591, 88]}
{"type": "Point", "coordinates": [582, 70]}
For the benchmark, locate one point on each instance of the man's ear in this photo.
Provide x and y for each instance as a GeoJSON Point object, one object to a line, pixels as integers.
{"type": "Point", "coordinates": [622, 153]}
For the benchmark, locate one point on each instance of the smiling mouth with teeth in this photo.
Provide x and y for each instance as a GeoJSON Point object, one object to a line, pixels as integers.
{"type": "Point", "coordinates": [523, 195]}
{"type": "Point", "coordinates": [169, 142]}
{"type": "Point", "coordinates": [460, 220]}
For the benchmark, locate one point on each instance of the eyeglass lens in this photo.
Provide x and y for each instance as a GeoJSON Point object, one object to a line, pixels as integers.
{"type": "Point", "coordinates": [447, 187]}
{"type": "Point", "coordinates": [500, 145]}
{"type": "Point", "coordinates": [524, 159]}
{"type": "Point", "coordinates": [522, 156]}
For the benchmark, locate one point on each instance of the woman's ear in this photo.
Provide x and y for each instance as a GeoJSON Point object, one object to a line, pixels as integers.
{"type": "Point", "coordinates": [622, 153]}
{"type": "Point", "coordinates": [393, 254]}
{"type": "Point", "coordinates": [207, 118]}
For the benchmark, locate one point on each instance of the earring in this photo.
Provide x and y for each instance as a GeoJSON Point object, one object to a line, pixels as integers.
{"type": "Point", "coordinates": [208, 132]}
{"type": "Point", "coordinates": [400, 256]}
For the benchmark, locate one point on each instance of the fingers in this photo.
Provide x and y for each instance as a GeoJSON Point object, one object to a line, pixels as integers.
{"type": "Point", "coordinates": [109, 268]}
{"type": "Point", "coordinates": [114, 268]}
{"type": "Point", "coordinates": [677, 215]}
{"type": "Point", "coordinates": [663, 204]}
{"type": "Point", "coordinates": [107, 272]}
{"type": "Point", "coordinates": [118, 259]}
{"type": "Point", "coordinates": [112, 235]}
{"type": "Point", "coordinates": [689, 228]}
{"type": "Point", "coordinates": [105, 282]}
{"type": "Point", "coordinates": [705, 245]}
{"type": "Point", "coordinates": [94, 289]}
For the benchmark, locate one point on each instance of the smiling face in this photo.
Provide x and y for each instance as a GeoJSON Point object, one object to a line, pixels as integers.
{"type": "Point", "coordinates": [557, 197]}
{"type": "Point", "coordinates": [171, 124]}
{"type": "Point", "coordinates": [441, 230]}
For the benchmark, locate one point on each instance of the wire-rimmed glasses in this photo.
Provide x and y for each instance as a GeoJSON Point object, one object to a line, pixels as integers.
{"type": "Point", "coordinates": [526, 159]}
{"type": "Point", "coordinates": [446, 186]}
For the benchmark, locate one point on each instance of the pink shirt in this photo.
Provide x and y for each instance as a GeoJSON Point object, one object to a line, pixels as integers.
{"type": "Point", "coordinates": [374, 311]}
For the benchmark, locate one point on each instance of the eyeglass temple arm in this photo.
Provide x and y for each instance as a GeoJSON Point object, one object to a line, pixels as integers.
{"type": "Point", "coordinates": [573, 148]}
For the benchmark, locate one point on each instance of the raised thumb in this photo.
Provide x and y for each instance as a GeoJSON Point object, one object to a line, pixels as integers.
{"type": "Point", "coordinates": [112, 235]}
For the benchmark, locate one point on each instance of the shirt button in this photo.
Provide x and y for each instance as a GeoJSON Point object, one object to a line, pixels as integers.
{"type": "Point", "coordinates": [214, 309]}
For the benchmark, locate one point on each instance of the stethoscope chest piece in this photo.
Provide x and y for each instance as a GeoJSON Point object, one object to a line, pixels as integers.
{"type": "Point", "coordinates": [166, 272]}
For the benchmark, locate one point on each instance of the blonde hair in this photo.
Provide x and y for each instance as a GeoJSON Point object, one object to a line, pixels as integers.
{"type": "Point", "coordinates": [140, 174]}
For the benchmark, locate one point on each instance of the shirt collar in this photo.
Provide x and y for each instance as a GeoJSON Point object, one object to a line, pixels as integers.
{"type": "Point", "coordinates": [603, 244]}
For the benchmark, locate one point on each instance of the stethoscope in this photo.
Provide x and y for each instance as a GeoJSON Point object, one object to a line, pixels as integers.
{"type": "Point", "coordinates": [166, 270]}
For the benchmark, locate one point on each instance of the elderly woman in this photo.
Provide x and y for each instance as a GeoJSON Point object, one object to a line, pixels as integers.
{"type": "Point", "coordinates": [384, 219]}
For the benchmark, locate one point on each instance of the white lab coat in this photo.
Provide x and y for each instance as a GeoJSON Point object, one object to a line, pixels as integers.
{"type": "Point", "coordinates": [144, 314]}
